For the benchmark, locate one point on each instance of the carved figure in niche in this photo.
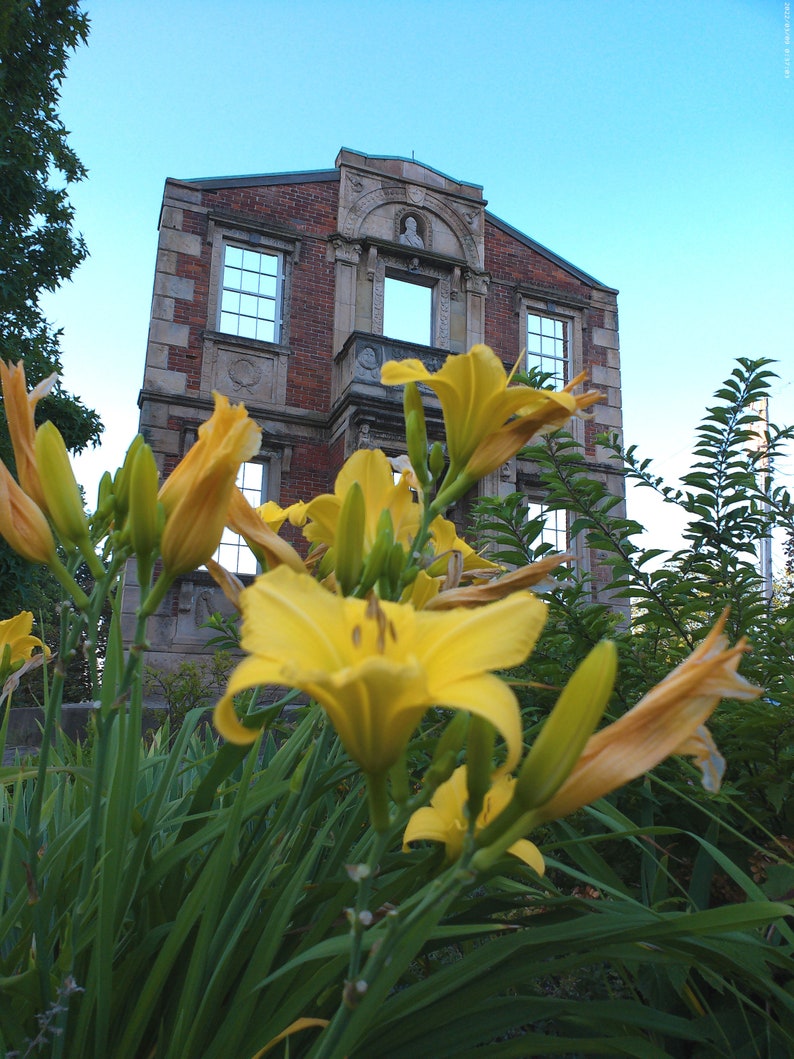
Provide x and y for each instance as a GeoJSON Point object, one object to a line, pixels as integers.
{"type": "Point", "coordinates": [368, 365]}
{"type": "Point", "coordinates": [411, 237]}
{"type": "Point", "coordinates": [365, 439]}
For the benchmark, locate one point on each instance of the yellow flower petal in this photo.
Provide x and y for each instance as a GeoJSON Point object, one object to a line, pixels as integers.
{"type": "Point", "coordinates": [270, 549]}
{"type": "Point", "coordinates": [15, 634]}
{"type": "Point", "coordinates": [22, 523]}
{"type": "Point", "coordinates": [376, 667]}
{"type": "Point", "coordinates": [529, 853]}
{"type": "Point", "coordinates": [371, 470]}
{"type": "Point", "coordinates": [20, 411]}
{"type": "Point", "coordinates": [668, 720]}
{"type": "Point", "coordinates": [479, 406]}
{"type": "Point", "coordinates": [197, 493]}
{"type": "Point", "coordinates": [445, 819]}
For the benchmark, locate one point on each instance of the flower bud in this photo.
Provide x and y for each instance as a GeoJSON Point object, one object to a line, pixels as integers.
{"type": "Point", "coordinates": [416, 432]}
{"type": "Point", "coordinates": [479, 754]}
{"type": "Point", "coordinates": [437, 460]}
{"type": "Point", "coordinates": [121, 481]}
{"type": "Point", "coordinates": [61, 492]}
{"type": "Point", "coordinates": [570, 724]}
{"type": "Point", "coordinates": [378, 558]}
{"type": "Point", "coordinates": [146, 516]}
{"type": "Point", "coordinates": [350, 540]}
{"type": "Point", "coordinates": [22, 523]}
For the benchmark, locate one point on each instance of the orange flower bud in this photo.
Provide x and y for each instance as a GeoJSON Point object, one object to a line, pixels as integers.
{"type": "Point", "coordinates": [22, 523]}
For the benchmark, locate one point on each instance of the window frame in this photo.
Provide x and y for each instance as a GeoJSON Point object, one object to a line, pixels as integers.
{"type": "Point", "coordinates": [277, 299]}
{"type": "Point", "coordinates": [558, 534]}
{"type": "Point", "coordinates": [543, 359]}
{"type": "Point", "coordinates": [229, 539]}
{"type": "Point", "coordinates": [248, 234]}
{"type": "Point", "coordinates": [572, 314]}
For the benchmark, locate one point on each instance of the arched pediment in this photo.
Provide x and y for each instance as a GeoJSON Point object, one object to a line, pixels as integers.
{"type": "Point", "coordinates": [453, 230]}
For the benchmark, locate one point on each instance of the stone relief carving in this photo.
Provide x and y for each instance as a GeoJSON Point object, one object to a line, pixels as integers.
{"type": "Point", "coordinates": [372, 262]}
{"type": "Point", "coordinates": [347, 251]}
{"type": "Point", "coordinates": [377, 298]}
{"type": "Point", "coordinates": [365, 438]}
{"type": "Point", "coordinates": [367, 365]}
{"type": "Point", "coordinates": [244, 373]}
{"type": "Point", "coordinates": [205, 607]}
{"type": "Point", "coordinates": [432, 361]}
{"type": "Point", "coordinates": [415, 194]}
{"type": "Point", "coordinates": [477, 282]}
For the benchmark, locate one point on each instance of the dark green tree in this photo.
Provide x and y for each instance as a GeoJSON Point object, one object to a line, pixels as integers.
{"type": "Point", "coordinates": [39, 248]}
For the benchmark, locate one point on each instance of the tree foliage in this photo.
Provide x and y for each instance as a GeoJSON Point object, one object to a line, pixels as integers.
{"type": "Point", "coordinates": [39, 248]}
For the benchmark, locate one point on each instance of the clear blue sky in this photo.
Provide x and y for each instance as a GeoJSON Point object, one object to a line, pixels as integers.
{"type": "Point", "coordinates": [650, 144]}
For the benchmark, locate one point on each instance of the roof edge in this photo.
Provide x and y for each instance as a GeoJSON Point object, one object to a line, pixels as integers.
{"type": "Point", "coordinates": [544, 251]}
{"type": "Point", "coordinates": [312, 176]}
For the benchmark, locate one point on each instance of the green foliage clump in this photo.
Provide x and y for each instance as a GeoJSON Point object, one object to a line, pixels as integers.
{"type": "Point", "coordinates": [656, 605]}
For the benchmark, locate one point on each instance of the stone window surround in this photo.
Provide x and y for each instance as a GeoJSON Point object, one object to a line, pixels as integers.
{"type": "Point", "coordinates": [257, 236]}
{"type": "Point", "coordinates": [414, 266]}
{"type": "Point", "coordinates": [278, 458]}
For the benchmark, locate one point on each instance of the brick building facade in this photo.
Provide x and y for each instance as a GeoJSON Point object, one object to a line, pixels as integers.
{"type": "Point", "coordinates": [289, 291]}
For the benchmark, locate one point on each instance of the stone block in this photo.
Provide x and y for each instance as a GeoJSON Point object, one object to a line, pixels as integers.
{"type": "Point", "coordinates": [162, 308]}
{"type": "Point", "coordinates": [168, 333]}
{"type": "Point", "coordinates": [171, 217]}
{"type": "Point", "coordinates": [180, 242]}
{"type": "Point", "coordinates": [157, 355]}
{"type": "Point", "coordinates": [174, 286]}
{"type": "Point", "coordinates": [162, 381]}
{"type": "Point", "coordinates": [180, 193]}
{"type": "Point", "coordinates": [166, 261]}
{"type": "Point", "coordinates": [604, 336]}
{"type": "Point", "coordinates": [605, 416]}
{"type": "Point", "coordinates": [164, 440]}
{"type": "Point", "coordinates": [600, 376]}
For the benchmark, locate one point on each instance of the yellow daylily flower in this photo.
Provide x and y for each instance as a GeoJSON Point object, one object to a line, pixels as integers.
{"type": "Point", "coordinates": [16, 643]}
{"type": "Point", "coordinates": [197, 493]}
{"type": "Point", "coordinates": [20, 409]}
{"type": "Point", "coordinates": [669, 720]}
{"type": "Point", "coordinates": [372, 470]}
{"type": "Point", "coordinates": [445, 819]}
{"type": "Point", "coordinates": [479, 408]}
{"type": "Point", "coordinates": [262, 539]}
{"type": "Point", "coordinates": [376, 667]}
{"type": "Point", "coordinates": [445, 540]}
{"type": "Point", "coordinates": [22, 522]}
{"type": "Point", "coordinates": [275, 516]}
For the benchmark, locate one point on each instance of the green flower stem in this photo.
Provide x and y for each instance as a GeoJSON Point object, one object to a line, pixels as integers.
{"type": "Point", "coordinates": [68, 583]}
{"type": "Point", "coordinates": [156, 595]}
{"type": "Point", "coordinates": [71, 627]}
{"type": "Point", "coordinates": [378, 797]}
{"type": "Point", "coordinates": [488, 855]}
{"type": "Point", "coordinates": [393, 954]}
